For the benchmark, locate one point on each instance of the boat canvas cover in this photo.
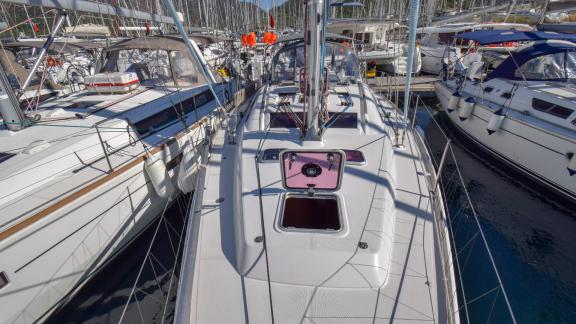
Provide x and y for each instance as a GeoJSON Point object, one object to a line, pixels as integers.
{"type": "Point", "coordinates": [507, 69]}
{"type": "Point", "coordinates": [168, 43]}
{"type": "Point", "coordinates": [486, 37]}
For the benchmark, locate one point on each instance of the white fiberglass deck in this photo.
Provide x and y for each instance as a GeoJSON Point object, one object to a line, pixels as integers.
{"type": "Point", "coordinates": [315, 278]}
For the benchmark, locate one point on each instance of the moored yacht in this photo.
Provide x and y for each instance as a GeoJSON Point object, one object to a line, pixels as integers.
{"type": "Point", "coordinates": [522, 111]}
{"type": "Point", "coordinates": [382, 43]}
{"type": "Point", "coordinates": [82, 175]}
{"type": "Point", "coordinates": [312, 209]}
{"type": "Point", "coordinates": [439, 47]}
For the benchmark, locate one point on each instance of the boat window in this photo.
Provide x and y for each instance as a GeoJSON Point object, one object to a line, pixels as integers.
{"type": "Point", "coordinates": [185, 72]}
{"type": "Point", "coordinates": [320, 212]}
{"type": "Point", "coordinates": [557, 66]}
{"type": "Point", "coordinates": [550, 108]}
{"type": "Point", "coordinates": [448, 38]}
{"type": "Point", "coordinates": [271, 155]}
{"type": "Point", "coordinates": [170, 115]}
{"type": "Point", "coordinates": [5, 156]}
{"type": "Point", "coordinates": [158, 66]}
{"type": "Point", "coordinates": [488, 89]}
{"type": "Point", "coordinates": [363, 38]}
{"type": "Point", "coordinates": [289, 62]}
{"type": "Point", "coordinates": [354, 157]}
{"type": "Point", "coordinates": [3, 279]}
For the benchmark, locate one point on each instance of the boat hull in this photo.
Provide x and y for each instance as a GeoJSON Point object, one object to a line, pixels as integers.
{"type": "Point", "coordinates": [54, 255]}
{"type": "Point", "coordinates": [535, 152]}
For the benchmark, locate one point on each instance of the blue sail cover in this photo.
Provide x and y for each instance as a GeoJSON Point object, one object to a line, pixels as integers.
{"type": "Point", "coordinates": [486, 37]}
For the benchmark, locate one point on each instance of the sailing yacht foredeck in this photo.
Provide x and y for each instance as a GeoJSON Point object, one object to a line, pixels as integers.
{"type": "Point", "coordinates": [294, 226]}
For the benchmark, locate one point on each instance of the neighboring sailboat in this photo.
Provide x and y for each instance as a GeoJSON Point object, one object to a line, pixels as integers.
{"type": "Point", "coordinates": [523, 111]}
{"type": "Point", "coordinates": [309, 209]}
{"type": "Point", "coordinates": [382, 42]}
{"type": "Point", "coordinates": [81, 176]}
{"type": "Point", "coordinates": [440, 49]}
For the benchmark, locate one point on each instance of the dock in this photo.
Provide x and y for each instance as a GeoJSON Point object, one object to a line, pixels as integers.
{"type": "Point", "coordinates": [420, 84]}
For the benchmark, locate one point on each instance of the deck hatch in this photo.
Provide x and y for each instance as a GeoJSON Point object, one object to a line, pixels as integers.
{"type": "Point", "coordinates": [321, 213]}
{"type": "Point", "coordinates": [312, 170]}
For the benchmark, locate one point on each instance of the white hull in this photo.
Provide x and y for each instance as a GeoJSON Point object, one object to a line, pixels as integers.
{"type": "Point", "coordinates": [55, 255]}
{"type": "Point", "coordinates": [399, 65]}
{"type": "Point", "coordinates": [71, 237]}
{"type": "Point", "coordinates": [535, 151]}
{"type": "Point", "coordinates": [432, 59]}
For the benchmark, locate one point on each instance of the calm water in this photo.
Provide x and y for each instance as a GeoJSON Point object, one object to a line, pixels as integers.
{"type": "Point", "coordinates": [531, 235]}
{"type": "Point", "coordinates": [532, 238]}
{"type": "Point", "coordinates": [104, 297]}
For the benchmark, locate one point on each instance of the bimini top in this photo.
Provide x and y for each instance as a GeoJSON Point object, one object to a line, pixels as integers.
{"type": "Point", "coordinates": [552, 60]}
{"type": "Point", "coordinates": [170, 43]}
{"type": "Point", "coordinates": [165, 42]}
{"type": "Point", "coordinates": [486, 37]}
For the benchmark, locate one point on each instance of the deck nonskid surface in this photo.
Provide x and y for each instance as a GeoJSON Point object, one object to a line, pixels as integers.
{"type": "Point", "coordinates": [409, 295]}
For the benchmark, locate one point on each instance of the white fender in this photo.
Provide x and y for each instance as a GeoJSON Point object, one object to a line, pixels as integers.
{"type": "Point", "coordinates": [495, 121]}
{"type": "Point", "coordinates": [466, 107]}
{"type": "Point", "coordinates": [158, 174]}
{"type": "Point", "coordinates": [188, 170]}
{"type": "Point", "coordinates": [453, 102]}
{"type": "Point", "coordinates": [572, 164]}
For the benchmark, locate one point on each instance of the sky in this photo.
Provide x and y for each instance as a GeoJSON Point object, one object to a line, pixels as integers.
{"type": "Point", "coordinates": [266, 4]}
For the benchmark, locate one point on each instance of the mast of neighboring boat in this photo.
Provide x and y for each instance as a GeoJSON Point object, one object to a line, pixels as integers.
{"type": "Point", "coordinates": [543, 15]}
{"type": "Point", "coordinates": [61, 19]}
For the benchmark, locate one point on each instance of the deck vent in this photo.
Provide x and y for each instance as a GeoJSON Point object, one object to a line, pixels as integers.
{"type": "Point", "coordinates": [318, 213]}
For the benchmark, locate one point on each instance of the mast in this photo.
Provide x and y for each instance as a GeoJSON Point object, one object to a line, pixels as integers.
{"type": "Point", "coordinates": [314, 39]}
{"type": "Point", "coordinates": [412, 24]}
{"type": "Point", "coordinates": [543, 15]}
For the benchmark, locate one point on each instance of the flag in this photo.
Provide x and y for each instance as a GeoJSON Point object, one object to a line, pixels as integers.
{"type": "Point", "coordinates": [271, 18]}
